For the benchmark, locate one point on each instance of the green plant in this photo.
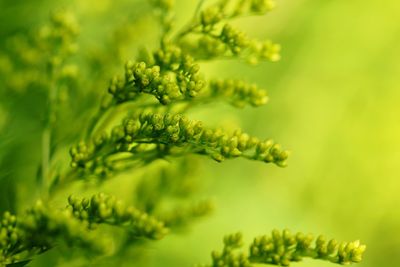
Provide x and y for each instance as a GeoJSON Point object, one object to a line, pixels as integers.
{"type": "Point", "coordinates": [141, 121]}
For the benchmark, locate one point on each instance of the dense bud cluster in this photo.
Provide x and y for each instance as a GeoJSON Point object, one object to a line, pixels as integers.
{"type": "Point", "coordinates": [142, 79]}
{"type": "Point", "coordinates": [106, 209]}
{"type": "Point", "coordinates": [266, 50]}
{"type": "Point", "coordinates": [173, 134]}
{"type": "Point", "coordinates": [178, 130]}
{"type": "Point", "coordinates": [234, 39]}
{"type": "Point", "coordinates": [169, 75]}
{"type": "Point", "coordinates": [206, 47]}
{"type": "Point", "coordinates": [44, 227]}
{"type": "Point", "coordinates": [232, 42]}
{"type": "Point", "coordinates": [281, 248]}
{"type": "Point", "coordinates": [10, 238]}
{"type": "Point", "coordinates": [210, 36]}
{"type": "Point", "coordinates": [40, 229]}
{"type": "Point", "coordinates": [187, 72]}
{"type": "Point", "coordinates": [229, 257]}
{"type": "Point", "coordinates": [83, 154]}
{"type": "Point", "coordinates": [237, 92]}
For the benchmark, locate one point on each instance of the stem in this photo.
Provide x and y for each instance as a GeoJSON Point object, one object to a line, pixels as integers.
{"type": "Point", "coordinates": [193, 24]}
{"type": "Point", "coordinates": [94, 121]}
{"type": "Point", "coordinates": [186, 31]}
{"type": "Point", "coordinates": [198, 7]}
{"type": "Point", "coordinates": [46, 140]}
{"type": "Point", "coordinates": [46, 135]}
{"type": "Point", "coordinates": [62, 182]}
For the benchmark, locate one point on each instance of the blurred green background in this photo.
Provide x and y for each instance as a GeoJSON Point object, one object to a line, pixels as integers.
{"type": "Point", "coordinates": [334, 102]}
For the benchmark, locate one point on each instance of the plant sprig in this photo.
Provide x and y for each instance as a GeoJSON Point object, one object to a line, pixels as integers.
{"type": "Point", "coordinates": [282, 248]}
{"type": "Point", "coordinates": [155, 94]}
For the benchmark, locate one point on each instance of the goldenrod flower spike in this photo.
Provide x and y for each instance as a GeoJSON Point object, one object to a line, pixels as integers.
{"type": "Point", "coordinates": [162, 135]}
{"type": "Point", "coordinates": [282, 248]}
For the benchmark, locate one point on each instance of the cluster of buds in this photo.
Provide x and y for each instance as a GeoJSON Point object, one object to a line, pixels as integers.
{"type": "Point", "coordinates": [168, 129]}
{"type": "Point", "coordinates": [343, 253]}
{"type": "Point", "coordinates": [86, 154]}
{"type": "Point", "coordinates": [139, 79]}
{"type": "Point", "coordinates": [266, 50]}
{"type": "Point", "coordinates": [282, 248]}
{"type": "Point", "coordinates": [105, 209]}
{"type": "Point", "coordinates": [10, 239]}
{"type": "Point", "coordinates": [187, 73]}
{"type": "Point", "coordinates": [59, 37]}
{"type": "Point", "coordinates": [215, 13]}
{"type": "Point", "coordinates": [232, 42]}
{"type": "Point", "coordinates": [210, 16]}
{"type": "Point", "coordinates": [235, 40]}
{"type": "Point", "coordinates": [206, 47]}
{"type": "Point", "coordinates": [215, 38]}
{"type": "Point", "coordinates": [237, 92]}
{"type": "Point", "coordinates": [173, 77]}
{"type": "Point", "coordinates": [172, 134]}
{"type": "Point", "coordinates": [261, 6]}
{"type": "Point", "coordinates": [45, 227]}
{"type": "Point", "coordinates": [228, 257]}
{"type": "Point", "coordinates": [177, 130]}
{"type": "Point", "coordinates": [269, 151]}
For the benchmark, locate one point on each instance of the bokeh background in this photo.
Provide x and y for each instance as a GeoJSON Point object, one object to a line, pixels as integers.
{"type": "Point", "coordinates": [334, 102]}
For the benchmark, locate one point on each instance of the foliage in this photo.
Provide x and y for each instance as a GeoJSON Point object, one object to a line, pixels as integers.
{"type": "Point", "coordinates": [154, 96]}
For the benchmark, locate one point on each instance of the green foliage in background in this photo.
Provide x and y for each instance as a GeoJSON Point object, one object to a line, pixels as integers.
{"type": "Point", "coordinates": [56, 100]}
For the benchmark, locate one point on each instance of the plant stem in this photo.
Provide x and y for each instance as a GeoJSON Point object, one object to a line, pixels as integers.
{"type": "Point", "coordinates": [62, 182]}
{"type": "Point", "coordinates": [193, 24]}
{"type": "Point", "coordinates": [46, 140]}
{"type": "Point", "coordinates": [46, 135]}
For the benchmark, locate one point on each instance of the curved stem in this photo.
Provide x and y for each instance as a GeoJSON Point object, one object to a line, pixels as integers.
{"type": "Point", "coordinates": [94, 121]}
{"type": "Point", "coordinates": [193, 24]}
{"type": "Point", "coordinates": [62, 181]}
